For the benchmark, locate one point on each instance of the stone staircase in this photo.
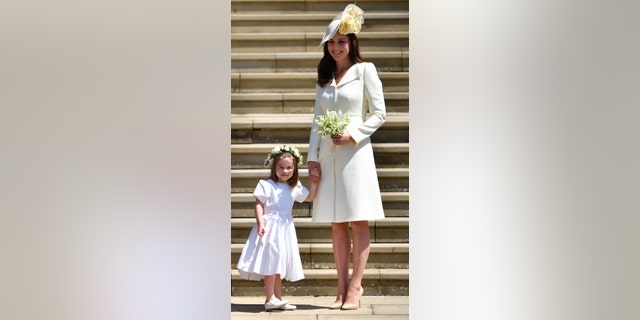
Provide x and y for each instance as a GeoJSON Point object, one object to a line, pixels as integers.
{"type": "Point", "coordinates": [274, 55]}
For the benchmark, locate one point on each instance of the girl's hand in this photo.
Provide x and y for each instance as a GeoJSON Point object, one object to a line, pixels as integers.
{"type": "Point", "coordinates": [260, 230]}
{"type": "Point", "coordinates": [315, 172]}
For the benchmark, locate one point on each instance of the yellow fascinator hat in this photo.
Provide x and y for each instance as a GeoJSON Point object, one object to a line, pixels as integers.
{"type": "Point", "coordinates": [350, 20]}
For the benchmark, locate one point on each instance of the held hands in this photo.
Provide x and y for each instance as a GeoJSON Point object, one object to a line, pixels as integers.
{"type": "Point", "coordinates": [314, 171]}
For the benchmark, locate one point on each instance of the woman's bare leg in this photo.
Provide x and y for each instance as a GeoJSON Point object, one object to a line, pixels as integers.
{"type": "Point", "coordinates": [361, 248]}
{"type": "Point", "coordinates": [341, 252]}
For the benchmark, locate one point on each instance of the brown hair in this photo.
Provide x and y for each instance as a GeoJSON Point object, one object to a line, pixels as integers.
{"type": "Point", "coordinates": [327, 65]}
{"type": "Point", "coordinates": [293, 181]}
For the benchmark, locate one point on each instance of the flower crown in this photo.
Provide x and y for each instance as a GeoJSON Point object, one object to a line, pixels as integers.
{"type": "Point", "coordinates": [281, 149]}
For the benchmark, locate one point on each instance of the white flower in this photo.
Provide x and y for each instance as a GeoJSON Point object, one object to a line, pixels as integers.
{"type": "Point", "coordinates": [332, 123]}
{"type": "Point", "coordinates": [279, 150]}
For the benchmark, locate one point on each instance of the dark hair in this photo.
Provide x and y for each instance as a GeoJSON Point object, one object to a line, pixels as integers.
{"type": "Point", "coordinates": [293, 181]}
{"type": "Point", "coordinates": [327, 65]}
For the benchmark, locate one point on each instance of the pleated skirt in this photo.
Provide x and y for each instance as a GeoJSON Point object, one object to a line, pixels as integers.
{"type": "Point", "coordinates": [276, 252]}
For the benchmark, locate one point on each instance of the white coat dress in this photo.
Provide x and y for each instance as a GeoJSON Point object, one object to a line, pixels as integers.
{"type": "Point", "coordinates": [348, 189]}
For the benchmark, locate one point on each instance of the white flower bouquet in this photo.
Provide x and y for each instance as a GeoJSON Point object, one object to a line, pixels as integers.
{"type": "Point", "coordinates": [332, 123]}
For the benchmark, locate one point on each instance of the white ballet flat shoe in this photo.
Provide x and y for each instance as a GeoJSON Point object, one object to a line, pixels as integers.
{"type": "Point", "coordinates": [274, 303]}
{"type": "Point", "coordinates": [288, 307]}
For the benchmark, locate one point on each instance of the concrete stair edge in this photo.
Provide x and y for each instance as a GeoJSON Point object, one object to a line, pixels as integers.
{"type": "Point", "coordinates": [308, 248]}
{"type": "Point", "coordinates": [329, 274]}
{"type": "Point", "coordinates": [323, 17]}
{"type": "Point", "coordinates": [306, 75]}
{"type": "Point", "coordinates": [276, 96]}
{"type": "Point", "coordinates": [259, 121]}
{"type": "Point", "coordinates": [306, 35]}
{"type": "Point", "coordinates": [258, 148]}
{"type": "Point", "coordinates": [306, 222]}
{"type": "Point", "coordinates": [247, 197]}
{"type": "Point", "coordinates": [255, 173]}
{"type": "Point", "coordinates": [308, 55]}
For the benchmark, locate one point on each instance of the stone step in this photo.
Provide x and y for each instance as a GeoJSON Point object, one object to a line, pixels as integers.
{"type": "Point", "coordinates": [271, 42]}
{"type": "Point", "coordinates": [320, 255]}
{"type": "Point", "coordinates": [251, 156]}
{"type": "Point", "coordinates": [388, 230]}
{"type": "Point", "coordinates": [278, 82]}
{"type": "Point", "coordinates": [274, 52]}
{"type": "Point", "coordinates": [266, 62]}
{"type": "Point", "coordinates": [300, 135]}
{"type": "Point", "coordinates": [290, 121]}
{"type": "Point", "coordinates": [389, 179]}
{"type": "Point", "coordinates": [322, 282]}
{"type": "Point", "coordinates": [278, 103]}
{"type": "Point", "coordinates": [325, 6]}
{"type": "Point", "coordinates": [295, 128]}
{"type": "Point", "coordinates": [314, 22]}
{"type": "Point", "coordinates": [395, 204]}
{"type": "Point", "coordinates": [294, 135]}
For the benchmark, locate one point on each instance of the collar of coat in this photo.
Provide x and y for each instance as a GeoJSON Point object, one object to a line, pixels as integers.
{"type": "Point", "coordinates": [354, 73]}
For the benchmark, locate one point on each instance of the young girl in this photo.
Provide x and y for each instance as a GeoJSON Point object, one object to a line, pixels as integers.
{"type": "Point", "coordinates": [271, 252]}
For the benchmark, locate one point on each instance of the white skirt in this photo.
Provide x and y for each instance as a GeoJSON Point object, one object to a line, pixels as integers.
{"type": "Point", "coordinates": [276, 252]}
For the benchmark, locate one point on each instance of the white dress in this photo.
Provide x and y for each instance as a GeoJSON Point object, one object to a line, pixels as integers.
{"type": "Point", "coordinates": [276, 252]}
{"type": "Point", "coordinates": [348, 189]}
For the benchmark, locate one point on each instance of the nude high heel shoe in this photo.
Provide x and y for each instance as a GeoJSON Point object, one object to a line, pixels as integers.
{"type": "Point", "coordinates": [353, 306]}
{"type": "Point", "coordinates": [336, 305]}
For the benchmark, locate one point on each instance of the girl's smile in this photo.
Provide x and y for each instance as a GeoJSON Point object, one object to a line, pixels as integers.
{"type": "Point", "coordinates": [285, 169]}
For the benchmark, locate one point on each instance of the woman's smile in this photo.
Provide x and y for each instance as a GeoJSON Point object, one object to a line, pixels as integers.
{"type": "Point", "coordinates": [339, 46]}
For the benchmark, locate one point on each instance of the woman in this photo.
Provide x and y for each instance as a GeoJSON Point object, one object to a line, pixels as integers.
{"type": "Point", "coordinates": [349, 195]}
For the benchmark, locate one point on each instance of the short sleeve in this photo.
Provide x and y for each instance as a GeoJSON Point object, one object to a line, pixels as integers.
{"type": "Point", "coordinates": [263, 190]}
{"type": "Point", "coordinates": [300, 192]}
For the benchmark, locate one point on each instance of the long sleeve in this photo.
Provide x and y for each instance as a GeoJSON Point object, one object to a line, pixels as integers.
{"type": "Point", "coordinates": [373, 104]}
{"type": "Point", "coordinates": [314, 136]}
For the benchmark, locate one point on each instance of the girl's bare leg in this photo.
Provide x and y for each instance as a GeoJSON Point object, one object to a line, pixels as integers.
{"type": "Point", "coordinates": [277, 287]}
{"type": "Point", "coordinates": [269, 285]}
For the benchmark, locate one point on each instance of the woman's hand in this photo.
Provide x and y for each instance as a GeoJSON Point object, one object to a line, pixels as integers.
{"type": "Point", "coordinates": [315, 172]}
{"type": "Point", "coordinates": [342, 139]}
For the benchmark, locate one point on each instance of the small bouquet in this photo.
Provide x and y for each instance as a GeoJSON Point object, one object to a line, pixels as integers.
{"type": "Point", "coordinates": [332, 123]}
